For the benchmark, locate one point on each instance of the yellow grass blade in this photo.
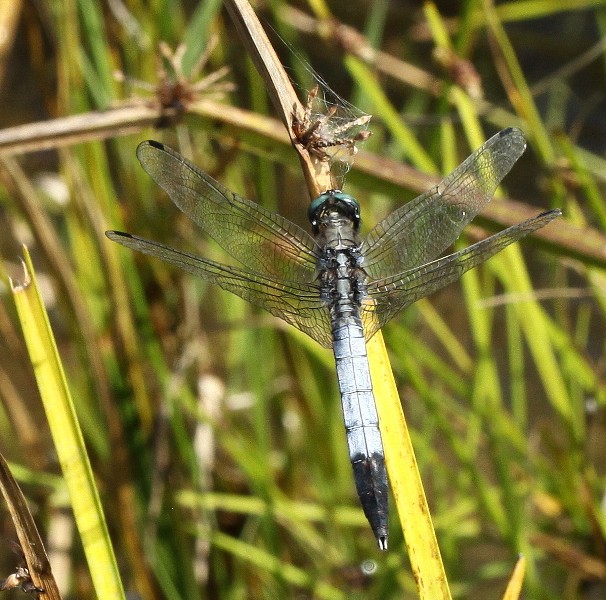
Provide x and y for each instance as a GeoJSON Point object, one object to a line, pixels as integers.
{"type": "Point", "coordinates": [67, 436]}
{"type": "Point", "coordinates": [514, 587]}
{"type": "Point", "coordinates": [405, 480]}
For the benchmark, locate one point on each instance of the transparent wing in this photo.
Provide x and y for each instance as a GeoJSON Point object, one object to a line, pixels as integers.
{"type": "Point", "coordinates": [260, 239]}
{"type": "Point", "coordinates": [297, 303]}
{"type": "Point", "coordinates": [393, 294]}
{"type": "Point", "coordinates": [422, 229]}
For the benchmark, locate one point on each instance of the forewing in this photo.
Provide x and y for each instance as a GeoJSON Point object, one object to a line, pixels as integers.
{"type": "Point", "coordinates": [422, 229]}
{"type": "Point", "coordinates": [393, 294]}
{"type": "Point", "coordinates": [260, 239]}
{"type": "Point", "coordinates": [296, 303]}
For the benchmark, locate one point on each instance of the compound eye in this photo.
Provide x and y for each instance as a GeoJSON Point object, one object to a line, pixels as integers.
{"type": "Point", "coordinates": [351, 207]}
{"type": "Point", "coordinates": [316, 206]}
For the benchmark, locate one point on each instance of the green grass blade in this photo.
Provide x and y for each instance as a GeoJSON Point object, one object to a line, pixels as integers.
{"type": "Point", "coordinates": [271, 564]}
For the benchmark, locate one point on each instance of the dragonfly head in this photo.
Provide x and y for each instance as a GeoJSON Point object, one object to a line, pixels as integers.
{"type": "Point", "coordinates": [330, 204]}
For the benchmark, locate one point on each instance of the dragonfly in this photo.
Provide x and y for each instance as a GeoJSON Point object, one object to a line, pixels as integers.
{"type": "Point", "coordinates": [336, 286]}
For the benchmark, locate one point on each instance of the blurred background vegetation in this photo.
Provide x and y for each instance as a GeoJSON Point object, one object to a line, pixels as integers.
{"type": "Point", "coordinates": [214, 430]}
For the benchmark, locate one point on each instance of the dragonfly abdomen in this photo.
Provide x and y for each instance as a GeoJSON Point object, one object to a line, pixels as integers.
{"type": "Point", "coordinates": [361, 420]}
